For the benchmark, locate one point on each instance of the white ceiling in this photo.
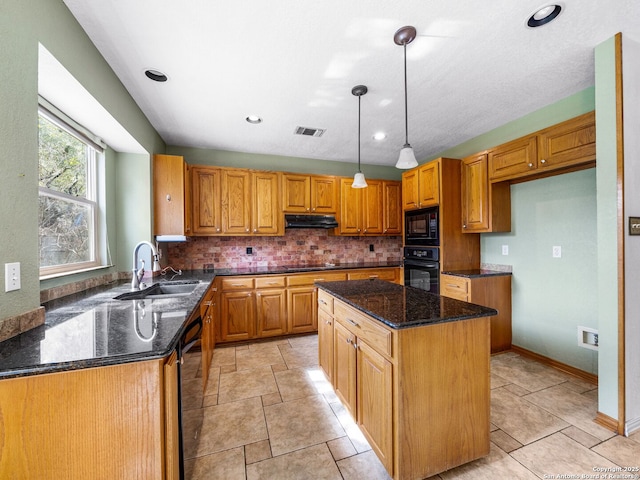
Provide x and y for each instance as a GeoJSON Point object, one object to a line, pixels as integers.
{"type": "Point", "coordinates": [473, 67]}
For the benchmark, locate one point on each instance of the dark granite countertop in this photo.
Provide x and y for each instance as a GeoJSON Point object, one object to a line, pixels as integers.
{"type": "Point", "coordinates": [402, 307]}
{"type": "Point", "coordinates": [476, 272]}
{"type": "Point", "coordinates": [271, 270]}
{"type": "Point", "coordinates": [92, 329]}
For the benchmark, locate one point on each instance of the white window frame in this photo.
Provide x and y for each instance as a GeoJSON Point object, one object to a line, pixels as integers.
{"type": "Point", "coordinates": [94, 149]}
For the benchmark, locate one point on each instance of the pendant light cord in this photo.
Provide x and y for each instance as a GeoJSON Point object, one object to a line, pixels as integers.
{"type": "Point", "coordinates": [359, 98]}
{"type": "Point", "coordinates": [406, 113]}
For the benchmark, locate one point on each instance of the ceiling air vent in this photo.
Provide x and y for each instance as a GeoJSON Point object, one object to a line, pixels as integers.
{"type": "Point", "coordinates": [310, 132]}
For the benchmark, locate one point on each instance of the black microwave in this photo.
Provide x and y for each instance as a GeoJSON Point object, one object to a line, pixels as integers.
{"type": "Point", "coordinates": [421, 227]}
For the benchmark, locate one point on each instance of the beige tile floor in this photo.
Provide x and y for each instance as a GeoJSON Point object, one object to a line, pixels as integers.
{"type": "Point", "coordinates": [268, 413]}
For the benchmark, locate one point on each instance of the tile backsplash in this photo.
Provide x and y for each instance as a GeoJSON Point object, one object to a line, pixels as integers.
{"type": "Point", "coordinates": [296, 247]}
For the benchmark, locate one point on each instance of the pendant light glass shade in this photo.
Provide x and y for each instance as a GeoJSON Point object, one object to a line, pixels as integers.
{"type": "Point", "coordinates": [358, 178]}
{"type": "Point", "coordinates": [407, 158]}
{"type": "Point", "coordinates": [359, 181]}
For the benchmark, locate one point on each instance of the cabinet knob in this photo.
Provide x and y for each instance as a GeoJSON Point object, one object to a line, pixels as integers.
{"type": "Point", "coordinates": [543, 161]}
{"type": "Point", "coordinates": [255, 230]}
{"type": "Point", "coordinates": [217, 229]}
{"type": "Point", "coordinates": [530, 165]}
{"type": "Point", "coordinates": [168, 198]}
{"type": "Point", "coordinates": [464, 225]}
{"type": "Point", "coordinates": [313, 209]}
{"type": "Point", "coordinates": [247, 230]}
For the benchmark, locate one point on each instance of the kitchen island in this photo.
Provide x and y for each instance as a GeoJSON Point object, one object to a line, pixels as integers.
{"type": "Point", "coordinates": [412, 368]}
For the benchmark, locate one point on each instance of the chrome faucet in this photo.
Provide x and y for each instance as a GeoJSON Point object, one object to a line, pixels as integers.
{"type": "Point", "coordinates": [139, 273]}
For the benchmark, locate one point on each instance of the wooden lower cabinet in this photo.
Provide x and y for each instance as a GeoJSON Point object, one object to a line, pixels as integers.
{"type": "Point", "coordinates": [489, 291]}
{"type": "Point", "coordinates": [421, 395]}
{"type": "Point", "coordinates": [325, 334]}
{"type": "Point", "coordinates": [118, 421]}
{"type": "Point", "coordinates": [262, 306]}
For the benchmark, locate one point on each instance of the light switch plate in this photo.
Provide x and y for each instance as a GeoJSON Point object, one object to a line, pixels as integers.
{"type": "Point", "coordinates": [11, 276]}
{"type": "Point", "coordinates": [505, 249]}
{"type": "Point", "coordinates": [557, 252]}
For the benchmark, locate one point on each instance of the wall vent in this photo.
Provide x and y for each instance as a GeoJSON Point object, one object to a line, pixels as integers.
{"type": "Point", "coordinates": [310, 132]}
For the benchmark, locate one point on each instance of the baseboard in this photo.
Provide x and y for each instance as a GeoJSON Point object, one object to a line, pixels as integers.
{"type": "Point", "coordinates": [576, 372]}
{"type": "Point", "coordinates": [606, 421]}
{"type": "Point", "coordinates": [632, 426]}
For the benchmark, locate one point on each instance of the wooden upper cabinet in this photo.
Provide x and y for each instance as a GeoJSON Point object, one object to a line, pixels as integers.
{"type": "Point", "coordinates": [266, 214]}
{"type": "Point", "coordinates": [568, 143]}
{"type": "Point", "coordinates": [428, 184]}
{"type": "Point", "coordinates": [393, 220]}
{"type": "Point", "coordinates": [372, 207]}
{"type": "Point", "coordinates": [486, 207]}
{"type": "Point", "coordinates": [236, 201]}
{"type": "Point", "coordinates": [205, 208]}
{"type": "Point", "coordinates": [421, 186]}
{"type": "Point", "coordinates": [513, 159]}
{"type": "Point", "coordinates": [170, 195]}
{"type": "Point", "coordinates": [350, 219]}
{"type": "Point", "coordinates": [567, 146]}
{"type": "Point", "coordinates": [309, 194]}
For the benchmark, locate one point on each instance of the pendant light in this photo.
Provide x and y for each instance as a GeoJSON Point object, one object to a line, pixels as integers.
{"type": "Point", "coordinates": [407, 158]}
{"type": "Point", "coordinates": [358, 178]}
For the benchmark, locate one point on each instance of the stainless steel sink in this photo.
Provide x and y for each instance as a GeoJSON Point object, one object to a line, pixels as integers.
{"type": "Point", "coordinates": [181, 288]}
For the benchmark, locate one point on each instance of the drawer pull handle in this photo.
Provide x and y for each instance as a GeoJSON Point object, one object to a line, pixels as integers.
{"type": "Point", "coordinates": [237, 285]}
{"type": "Point", "coordinates": [452, 285]}
{"type": "Point", "coordinates": [352, 322]}
{"type": "Point", "coordinates": [272, 283]}
{"type": "Point", "coordinates": [318, 279]}
{"type": "Point", "coordinates": [209, 303]}
{"type": "Point", "coordinates": [373, 276]}
{"type": "Point", "coordinates": [322, 302]}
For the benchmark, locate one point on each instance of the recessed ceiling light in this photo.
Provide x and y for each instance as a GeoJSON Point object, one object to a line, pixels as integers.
{"type": "Point", "coordinates": [544, 15]}
{"type": "Point", "coordinates": [155, 75]}
{"type": "Point", "coordinates": [253, 119]}
{"type": "Point", "coordinates": [379, 136]}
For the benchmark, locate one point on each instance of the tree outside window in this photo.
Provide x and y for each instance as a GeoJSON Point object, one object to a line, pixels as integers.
{"type": "Point", "coordinates": [67, 200]}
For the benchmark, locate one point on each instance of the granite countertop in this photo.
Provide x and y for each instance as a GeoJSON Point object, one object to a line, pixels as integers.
{"type": "Point", "coordinates": [476, 272]}
{"type": "Point", "coordinates": [93, 329]}
{"type": "Point", "coordinates": [402, 307]}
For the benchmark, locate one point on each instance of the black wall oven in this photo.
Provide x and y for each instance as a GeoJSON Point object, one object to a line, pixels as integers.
{"type": "Point", "coordinates": [421, 227]}
{"type": "Point", "coordinates": [422, 268]}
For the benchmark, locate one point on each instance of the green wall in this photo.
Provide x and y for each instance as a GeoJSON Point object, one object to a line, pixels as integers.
{"type": "Point", "coordinates": [23, 26]}
{"type": "Point", "coordinates": [202, 156]}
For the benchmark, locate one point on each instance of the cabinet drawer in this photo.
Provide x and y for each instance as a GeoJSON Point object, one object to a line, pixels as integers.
{"type": "Point", "coordinates": [325, 301]}
{"type": "Point", "coordinates": [311, 278]}
{"type": "Point", "coordinates": [270, 282]}
{"type": "Point", "coordinates": [389, 275]}
{"type": "Point", "coordinates": [237, 283]}
{"type": "Point", "coordinates": [454, 287]}
{"type": "Point", "coordinates": [376, 336]}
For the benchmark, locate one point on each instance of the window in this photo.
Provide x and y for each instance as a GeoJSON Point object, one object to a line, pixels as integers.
{"type": "Point", "coordinates": [68, 208]}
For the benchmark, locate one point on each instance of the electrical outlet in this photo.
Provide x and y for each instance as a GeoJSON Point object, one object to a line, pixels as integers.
{"type": "Point", "coordinates": [371, 247]}
{"type": "Point", "coordinates": [505, 249]}
{"type": "Point", "coordinates": [556, 251]}
{"type": "Point", "coordinates": [11, 276]}
{"type": "Point", "coordinates": [249, 251]}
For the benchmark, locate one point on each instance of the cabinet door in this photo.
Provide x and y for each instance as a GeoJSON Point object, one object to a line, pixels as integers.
{"type": "Point", "coordinates": [271, 312]}
{"type": "Point", "coordinates": [237, 316]}
{"type": "Point", "coordinates": [296, 193]}
{"type": "Point", "coordinates": [375, 397]}
{"type": "Point", "coordinates": [392, 208]}
{"type": "Point", "coordinates": [345, 373]}
{"type": "Point", "coordinates": [266, 215]}
{"type": "Point", "coordinates": [569, 143]}
{"type": "Point", "coordinates": [475, 194]}
{"type": "Point", "coordinates": [205, 205]}
{"type": "Point", "coordinates": [513, 159]}
{"type": "Point", "coordinates": [350, 208]}
{"type": "Point", "coordinates": [169, 195]}
{"type": "Point", "coordinates": [236, 202]}
{"type": "Point", "coordinates": [410, 190]}
{"type": "Point", "coordinates": [372, 216]}
{"type": "Point", "coordinates": [325, 343]}
{"type": "Point", "coordinates": [302, 309]}
{"type": "Point", "coordinates": [324, 194]}
{"type": "Point", "coordinates": [428, 184]}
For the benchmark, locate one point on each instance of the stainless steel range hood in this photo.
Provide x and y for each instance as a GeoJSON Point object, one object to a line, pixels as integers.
{"type": "Point", "coordinates": [310, 221]}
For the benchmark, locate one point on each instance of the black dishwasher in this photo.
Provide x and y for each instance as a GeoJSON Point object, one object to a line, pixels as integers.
{"type": "Point", "coordinates": [190, 393]}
